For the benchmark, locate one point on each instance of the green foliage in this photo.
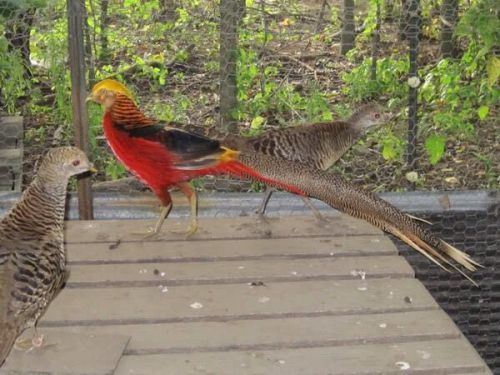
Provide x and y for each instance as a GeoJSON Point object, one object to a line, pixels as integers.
{"type": "Point", "coordinates": [259, 94]}
{"type": "Point", "coordinates": [434, 145]}
{"type": "Point", "coordinates": [12, 75]}
{"type": "Point", "coordinates": [360, 87]}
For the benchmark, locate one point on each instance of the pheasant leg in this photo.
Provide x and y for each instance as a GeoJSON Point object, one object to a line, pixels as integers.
{"type": "Point", "coordinates": [262, 208]}
{"type": "Point", "coordinates": [192, 197]}
{"type": "Point", "coordinates": [314, 210]}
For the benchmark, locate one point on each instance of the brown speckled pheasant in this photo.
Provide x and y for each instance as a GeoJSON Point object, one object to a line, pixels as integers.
{"type": "Point", "coordinates": [319, 145]}
{"type": "Point", "coordinates": [352, 200]}
{"type": "Point", "coordinates": [32, 257]}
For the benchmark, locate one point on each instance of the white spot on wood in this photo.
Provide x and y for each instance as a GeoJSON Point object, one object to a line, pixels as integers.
{"type": "Point", "coordinates": [375, 240]}
{"type": "Point", "coordinates": [362, 288]}
{"type": "Point", "coordinates": [241, 267]}
{"type": "Point", "coordinates": [281, 362]}
{"type": "Point", "coordinates": [360, 273]}
{"type": "Point", "coordinates": [143, 271]}
{"type": "Point", "coordinates": [424, 354]}
{"type": "Point", "coordinates": [331, 254]}
{"type": "Point", "coordinates": [162, 274]}
{"type": "Point", "coordinates": [196, 305]}
{"type": "Point", "coordinates": [403, 365]}
{"type": "Point", "coordinates": [264, 299]}
{"type": "Point", "coordinates": [294, 273]}
{"type": "Point", "coordinates": [383, 325]}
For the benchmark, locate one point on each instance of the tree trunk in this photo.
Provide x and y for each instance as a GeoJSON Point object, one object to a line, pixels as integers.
{"type": "Point", "coordinates": [348, 27]}
{"type": "Point", "coordinates": [389, 11]}
{"type": "Point", "coordinates": [403, 19]}
{"type": "Point", "coordinates": [104, 55]}
{"type": "Point", "coordinates": [449, 14]}
{"type": "Point", "coordinates": [231, 14]}
{"type": "Point", "coordinates": [412, 34]}
{"type": "Point", "coordinates": [375, 43]}
{"type": "Point", "coordinates": [17, 33]}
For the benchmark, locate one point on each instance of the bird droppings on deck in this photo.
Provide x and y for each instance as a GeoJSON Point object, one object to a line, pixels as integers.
{"type": "Point", "coordinates": [362, 288]}
{"type": "Point", "coordinates": [196, 305]}
{"type": "Point", "coordinates": [294, 273]}
{"type": "Point", "coordinates": [143, 271]}
{"type": "Point", "coordinates": [241, 267]}
{"type": "Point", "coordinates": [163, 288]}
{"type": "Point", "coordinates": [383, 325]}
{"type": "Point", "coordinates": [424, 354]}
{"type": "Point", "coordinates": [403, 365]}
{"type": "Point", "coordinates": [361, 274]}
{"type": "Point", "coordinates": [408, 299]}
{"type": "Point", "coordinates": [281, 361]}
{"type": "Point", "coordinates": [264, 299]}
{"type": "Point", "coordinates": [375, 240]}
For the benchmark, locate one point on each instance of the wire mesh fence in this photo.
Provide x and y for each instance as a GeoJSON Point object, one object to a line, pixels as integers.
{"type": "Point", "coordinates": [251, 66]}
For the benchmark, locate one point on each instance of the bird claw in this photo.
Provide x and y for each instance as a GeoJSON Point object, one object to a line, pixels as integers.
{"type": "Point", "coordinates": [26, 345]}
{"type": "Point", "coordinates": [191, 230]}
{"type": "Point", "coordinates": [148, 234]}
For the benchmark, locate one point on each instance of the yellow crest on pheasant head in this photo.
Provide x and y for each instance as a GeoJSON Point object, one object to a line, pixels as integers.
{"type": "Point", "coordinates": [105, 91]}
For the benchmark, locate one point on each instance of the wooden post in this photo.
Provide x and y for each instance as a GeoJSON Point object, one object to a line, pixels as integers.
{"type": "Point", "coordinates": [78, 95]}
{"type": "Point", "coordinates": [231, 14]}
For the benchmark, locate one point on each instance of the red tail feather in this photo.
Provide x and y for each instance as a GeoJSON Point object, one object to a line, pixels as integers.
{"type": "Point", "coordinates": [241, 170]}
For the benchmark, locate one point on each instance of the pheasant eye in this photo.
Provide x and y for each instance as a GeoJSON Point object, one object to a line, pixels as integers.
{"type": "Point", "coordinates": [76, 163]}
{"type": "Point", "coordinates": [377, 115]}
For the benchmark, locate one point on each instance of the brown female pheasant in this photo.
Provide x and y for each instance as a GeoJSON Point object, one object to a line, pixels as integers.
{"type": "Point", "coordinates": [32, 257]}
{"type": "Point", "coordinates": [318, 145]}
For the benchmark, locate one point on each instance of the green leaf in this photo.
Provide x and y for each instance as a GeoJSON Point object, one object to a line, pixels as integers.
{"type": "Point", "coordinates": [389, 152]}
{"type": "Point", "coordinates": [483, 111]}
{"type": "Point", "coordinates": [257, 122]}
{"type": "Point", "coordinates": [434, 145]}
{"type": "Point", "coordinates": [493, 68]}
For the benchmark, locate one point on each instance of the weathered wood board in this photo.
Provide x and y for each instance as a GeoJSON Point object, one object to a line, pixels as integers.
{"type": "Point", "coordinates": [285, 296]}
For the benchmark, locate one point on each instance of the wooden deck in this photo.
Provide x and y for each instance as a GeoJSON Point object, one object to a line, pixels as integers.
{"type": "Point", "coordinates": [284, 297]}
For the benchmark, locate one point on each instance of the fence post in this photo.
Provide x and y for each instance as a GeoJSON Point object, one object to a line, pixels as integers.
{"type": "Point", "coordinates": [231, 14]}
{"type": "Point", "coordinates": [78, 95]}
{"type": "Point", "coordinates": [412, 34]}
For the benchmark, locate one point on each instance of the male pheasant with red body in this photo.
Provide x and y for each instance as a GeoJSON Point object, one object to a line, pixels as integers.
{"type": "Point", "coordinates": [32, 256]}
{"type": "Point", "coordinates": [164, 157]}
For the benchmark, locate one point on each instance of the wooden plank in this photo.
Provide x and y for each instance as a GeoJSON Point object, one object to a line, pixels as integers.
{"type": "Point", "coordinates": [239, 335]}
{"type": "Point", "coordinates": [268, 270]}
{"type": "Point", "coordinates": [185, 251]}
{"type": "Point", "coordinates": [224, 228]}
{"type": "Point", "coordinates": [452, 356]}
{"type": "Point", "coordinates": [102, 306]}
{"type": "Point", "coordinates": [68, 354]}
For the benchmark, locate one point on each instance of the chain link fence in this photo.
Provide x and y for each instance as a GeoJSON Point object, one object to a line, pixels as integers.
{"type": "Point", "coordinates": [250, 66]}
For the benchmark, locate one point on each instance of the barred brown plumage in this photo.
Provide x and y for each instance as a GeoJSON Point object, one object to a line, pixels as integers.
{"type": "Point", "coordinates": [32, 257]}
{"type": "Point", "coordinates": [318, 145]}
{"type": "Point", "coordinates": [340, 194]}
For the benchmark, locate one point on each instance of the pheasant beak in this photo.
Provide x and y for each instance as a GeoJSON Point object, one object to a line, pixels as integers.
{"type": "Point", "coordinates": [89, 98]}
{"type": "Point", "coordinates": [92, 169]}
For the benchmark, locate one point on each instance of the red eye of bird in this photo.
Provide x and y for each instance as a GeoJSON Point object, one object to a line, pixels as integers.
{"type": "Point", "coordinates": [377, 115]}
{"type": "Point", "coordinates": [76, 163]}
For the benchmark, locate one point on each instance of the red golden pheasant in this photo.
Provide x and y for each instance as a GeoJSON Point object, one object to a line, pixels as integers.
{"type": "Point", "coordinates": [161, 156]}
{"type": "Point", "coordinates": [164, 157]}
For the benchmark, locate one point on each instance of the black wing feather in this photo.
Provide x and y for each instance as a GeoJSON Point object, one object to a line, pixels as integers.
{"type": "Point", "coordinates": [184, 144]}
